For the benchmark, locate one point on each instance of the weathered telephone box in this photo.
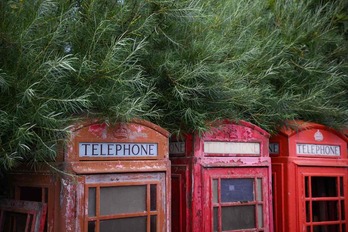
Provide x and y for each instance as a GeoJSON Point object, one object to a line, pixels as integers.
{"type": "Point", "coordinates": [116, 178]}
{"type": "Point", "coordinates": [309, 165]}
{"type": "Point", "coordinates": [221, 181]}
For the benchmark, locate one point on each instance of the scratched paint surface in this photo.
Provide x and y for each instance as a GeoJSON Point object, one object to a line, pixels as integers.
{"type": "Point", "coordinates": [194, 170]}
{"type": "Point", "coordinates": [138, 131]}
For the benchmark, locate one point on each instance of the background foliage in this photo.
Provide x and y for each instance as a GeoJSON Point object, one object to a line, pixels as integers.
{"type": "Point", "coordinates": [176, 63]}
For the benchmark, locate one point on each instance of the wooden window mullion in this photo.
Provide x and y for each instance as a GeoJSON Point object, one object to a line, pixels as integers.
{"type": "Point", "coordinates": [97, 208]}
{"type": "Point", "coordinates": [219, 208]}
{"type": "Point", "coordinates": [148, 202]}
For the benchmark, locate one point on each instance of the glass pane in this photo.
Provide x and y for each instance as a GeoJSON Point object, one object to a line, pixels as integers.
{"type": "Point", "coordinates": [341, 187]}
{"type": "Point", "coordinates": [137, 224]}
{"type": "Point", "coordinates": [308, 210]}
{"type": "Point", "coordinates": [216, 218]}
{"type": "Point", "coordinates": [324, 211]}
{"type": "Point", "coordinates": [327, 228]}
{"type": "Point", "coordinates": [308, 229]}
{"type": "Point", "coordinates": [215, 191]}
{"type": "Point", "coordinates": [233, 190]}
{"type": "Point", "coordinates": [46, 194]}
{"type": "Point", "coordinates": [238, 217]}
{"type": "Point", "coordinates": [324, 186]}
{"type": "Point", "coordinates": [306, 186]}
{"type": "Point", "coordinates": [153, 197]}
{"type": "Point", "coordinates": [91, 201]}
{"type": "Point", "coordinates": [260, 216]}
{"type": "Point", "coordinates": [343, 216]}
{"type": "Point", "coordinates": [91, 226]}
{"type": "Point", "coordinates": [31, 194]}
{"type": "Point", "coordinates": [153, 223]}
{"type": "Point", "coordinates": [14, 221]}
{"type": "Point", "coordinates": [122, 199]}
{"type": "Point", "coordinates": [259, 189]}
{"type": "Point", "coordinates": [343, 227]}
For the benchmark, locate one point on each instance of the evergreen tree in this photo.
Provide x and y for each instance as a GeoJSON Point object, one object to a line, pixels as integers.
{"type": "Point", "coordinates": [176, 63]}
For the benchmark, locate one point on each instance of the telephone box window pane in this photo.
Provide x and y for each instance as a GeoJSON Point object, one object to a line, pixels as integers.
{"type": "Point", "coordinates": [306, 186]}
{"type": "Point", "coordinates": [46, 194]}
{"type": "Point", "coordinates": [216, 218]}
{"type": "Point", "coordinates": [238, 217]}
{"type": "Point", "coordinates": [91, 226]}
{"type": "Point", "coordinates": [31, 194]}
{"type": "Point", "coordinates": [341, 187]}
{"type": "Point", "coordinates": [122, 199]}
{"type": "Point", "coordinates": [14, 221]}
{"type": "Point", "coordinates": [342, 211]}
{"type": "Point", "coordinates": [153, 223]}
{"type": "Point", "coordinates": [137, 224]}
{"type": "Point", "coordinates": [324, 211]}
{"type": "Point", "coordinates": [233, 190]}
{"type": "Point", "coordinates": [328, 228]}
{"type": "Point", "coordinates": [91, 202]}
{"type": "Point", "coordinates": [324, 186]}
{"type": "Point", "coordinates": [260, 216]}
{"type": "Point", "coordinates": [215, 191]}
{"type": "Point", "coordinates": [343, 227]}
{"type": "Point", "coordinates": [259, 189]}
{"type": "Point", "coordinates": [153, 197]}
{"type": "Point", "coordinates": [308, 211]}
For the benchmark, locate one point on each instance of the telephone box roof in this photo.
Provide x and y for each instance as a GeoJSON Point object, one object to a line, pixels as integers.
{"type": "Point", "coordinates": [295, 126]}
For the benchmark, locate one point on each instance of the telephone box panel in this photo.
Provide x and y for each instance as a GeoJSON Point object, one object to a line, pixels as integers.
{"type": "Point", "coordinates": [221, 175]}
{"type": "Point", "coordinates": [324, 199]}
{"type": "Point", "coordinates": [125, 202]}
{"type": "Point", "coordinates": [38, 187]}
{"type": "Point", "coordinates": [309, 169]}
{"type": "Point", "coordinates": [107, 178]}
{"type": "Point", "coordinates": [237, 200]}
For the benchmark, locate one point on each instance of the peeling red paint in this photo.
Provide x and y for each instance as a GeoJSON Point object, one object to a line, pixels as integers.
{"type": "Point", "coordinates": [98, 130]}
{"type": "Point", "coordinates": [196, 168]}
{"type": "Point", "coordinates": [68, 193]}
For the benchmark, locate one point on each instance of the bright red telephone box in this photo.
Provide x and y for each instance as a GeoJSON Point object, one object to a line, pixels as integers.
{"type": "Point", "coordinates": [221, 180]}
{"type": "Point", "coordinates": [108, 178]}
{"type": "Point", "coordinates": [309, 168]}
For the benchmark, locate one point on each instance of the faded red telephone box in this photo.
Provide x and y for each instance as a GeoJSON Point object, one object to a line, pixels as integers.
{"type": "Point", "coordinates": [221, 181]}
{"type": "Point", "coordinates": [110, 178]}
{"type": "Point", "coordinates": [309, 165]}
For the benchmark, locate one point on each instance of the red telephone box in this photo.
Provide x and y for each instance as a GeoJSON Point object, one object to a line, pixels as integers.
{"type": "Point", "coordinates": [109, 178]}
{"type": "Point", "coordinates": [309, 168]}
{"type": "Point", "coordinates": [221, 181]}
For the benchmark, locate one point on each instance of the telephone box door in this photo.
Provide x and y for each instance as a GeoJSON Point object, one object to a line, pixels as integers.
{"type": "Point", "coordinates": [238, 199]}
{"type": "Point", "coordinates": [323, 204]}
{"type": "Point", "coordinates": [125, 202]}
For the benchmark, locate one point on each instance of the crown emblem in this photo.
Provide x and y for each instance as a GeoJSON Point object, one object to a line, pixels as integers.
{"type": "Point", "coordinates": [318, 136]}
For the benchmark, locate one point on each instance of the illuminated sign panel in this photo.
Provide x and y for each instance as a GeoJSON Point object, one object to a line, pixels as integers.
{"type": "Point", "coordinates": [117, 149]}
{"type": "Point", "coordinates": [231, 148]}
{"type": "Point", "coordinates": [177, 147]}
{"type": "Point", "coordinates": [274, 148]}
{"type": "Point", "coordinates": [317, 149]}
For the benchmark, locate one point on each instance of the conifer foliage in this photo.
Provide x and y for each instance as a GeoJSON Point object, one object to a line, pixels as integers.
{"type": "Point", "coordinates": [176, 63]}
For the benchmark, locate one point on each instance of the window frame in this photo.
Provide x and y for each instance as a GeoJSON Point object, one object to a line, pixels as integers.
{"type": "Point", "coordinates": [239, 173]}
{"type": "Point", "coordinates": [340, 199]}
{"type": "Point", "coordinates": [127, 179]}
